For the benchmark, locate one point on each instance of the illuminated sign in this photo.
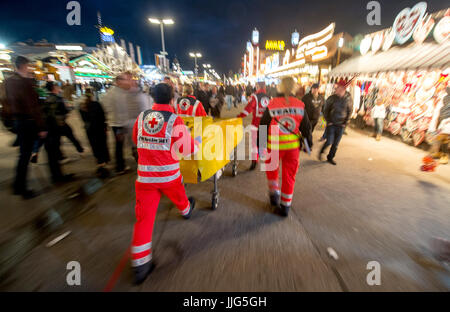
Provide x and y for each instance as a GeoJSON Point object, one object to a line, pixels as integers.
{"type": "Point", "coordinates": [377, 41]}
{"type": "Point", "coordinates": [313, 45]}
{"type": "Point", "coordinates": [407, 20]}
{"type": "Point", "coordinates": [275, 45]}
{"type": "Point", "coordinates": [69, 48]}
{"type": "Point", "coordinates": [388, 40]}
{"type": "Point", "coordinates": [295, 38]}
{"type": "Point", "coordinates": [255, 36]}
{"type": "Point", "coordinates": [442, 30]}
{"type": "Point", "coordinates": [423, 30]}
{"type": "Point", "coordinates": [365, 45]}
{"type": "Point", "coordinates": [106, 34]}
{"type": "Point", "coordinates": [107, 31]}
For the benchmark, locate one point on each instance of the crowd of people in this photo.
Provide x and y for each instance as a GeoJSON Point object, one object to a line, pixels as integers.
{"type": "Point", "coordinates": [147, 116]}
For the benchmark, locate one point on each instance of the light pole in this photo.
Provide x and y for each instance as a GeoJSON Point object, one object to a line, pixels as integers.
{"type": "Point", "coordinates": [195, 55]}
{"type": "Point", "coordinates": [166, 21]}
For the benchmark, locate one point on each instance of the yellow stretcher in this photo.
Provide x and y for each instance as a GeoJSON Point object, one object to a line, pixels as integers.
{"type": "Point", "coordinates": [219, 139]}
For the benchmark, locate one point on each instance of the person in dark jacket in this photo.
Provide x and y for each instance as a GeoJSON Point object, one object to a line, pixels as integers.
{"type": "Point", "coordinates": [95, 125]}
{"type": "Point", "coordinates": [313, 105]}
{"type": "Point", "coordinates": [337, 112]}
{"type": "Point", "coordinates": [26, 115]}
{"type": "Point", "coordinates": [53, 109]}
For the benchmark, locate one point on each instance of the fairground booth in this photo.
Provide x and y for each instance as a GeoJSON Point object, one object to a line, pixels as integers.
{"type": "Point", "coordinates": [406, 67]}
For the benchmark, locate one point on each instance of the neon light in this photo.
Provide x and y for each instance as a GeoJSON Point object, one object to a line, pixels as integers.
{"type": "Point", "coordinates": [329, 28]}
{"type": "Point", "coordinates": [69, 47]}
{"type": "Point", "coordinates": [275, 45]}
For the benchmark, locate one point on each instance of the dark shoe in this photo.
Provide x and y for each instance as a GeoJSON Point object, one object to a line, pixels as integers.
{"type": "Point", "coordinates": [320, 156]}
{"type": "Point", "coordinates": [331, 161]}
{"type": "Point", "coordinates": [65, 178]}
{"type": "Point", "coordinates": [283, 210]}
{"type": "Point", "coordinates": [192, 206]}
{"type": "Point", "coordinates": [34, 158]}
{"type": "Point", "coordinates": [274, 199]}
{"type": "Point", "coordinates": [254, 164]}
{"type": "Point", "coordinates": [26, 194]}
{"type": "Point", "coordinates": [141, 272]}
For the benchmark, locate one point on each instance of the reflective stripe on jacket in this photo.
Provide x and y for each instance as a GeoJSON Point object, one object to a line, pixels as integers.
{"type": "Point", "coordinates": [284, 133]}
{"type": "Point", "coordinates": [160, 135]}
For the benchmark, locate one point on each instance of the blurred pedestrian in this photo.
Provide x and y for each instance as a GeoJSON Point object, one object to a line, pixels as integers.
{"type": "Point", "coordinates": [216, 102]}
{"type": "Point", "coordinates": [337, 112]}
{"type": "Point", "coordinates": [313, 105]}
{"type": "Point", "coordinates": [378, 115]}
{"type": "Point", "coordinates": [54, 110]}
{"type": "Point", "coordinates": [256, 107]}
{"type": "Point", "coordinates": [27, 117]}
{"type": "Point", "coordinates": [229, 92]}
{"type": "Point", "coordinates": [116, 106]}
{"type": "Point", "coordinates": [94, 119]}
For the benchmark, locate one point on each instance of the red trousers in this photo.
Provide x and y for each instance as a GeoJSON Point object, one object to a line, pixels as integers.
{"type": "Point", "coordinates": [147, 200]}
{"type": "Point", "coordinates": [289, 160]}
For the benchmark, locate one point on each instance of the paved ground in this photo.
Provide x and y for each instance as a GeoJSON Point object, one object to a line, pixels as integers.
{"type": "Point", "coordinates": [374, 206]}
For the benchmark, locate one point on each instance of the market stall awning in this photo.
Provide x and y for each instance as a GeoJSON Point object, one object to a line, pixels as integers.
{"type": "Point", "coordinates": [413, 57]}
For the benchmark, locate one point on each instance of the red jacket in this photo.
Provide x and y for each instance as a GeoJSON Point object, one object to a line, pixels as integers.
{"type": "Point", "coordinates": [189, 106]}
{"type": "Point", "coordinates": [161, 136]}
{"type": "Point", "coordinates": [257, 105]}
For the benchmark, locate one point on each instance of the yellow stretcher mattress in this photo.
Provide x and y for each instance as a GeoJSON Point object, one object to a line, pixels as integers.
{"type": "Point", "coordinates": [219, 138]}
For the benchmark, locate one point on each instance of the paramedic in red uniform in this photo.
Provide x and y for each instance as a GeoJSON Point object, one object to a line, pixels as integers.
{"type": "Point", "coordinates": [256, 107]}
{"type": "Point", "coordinates": [188, 105]}
{"type": "Point", "coordinates": [160, 136]}
{"type": "Point", "coordinates": [286, 122]}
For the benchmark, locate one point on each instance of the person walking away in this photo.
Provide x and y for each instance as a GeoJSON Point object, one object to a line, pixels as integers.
{"type": "Point", "coordinates": [203, 96]}
{"type": "Point", "coordinates": [229, 95]}
{"type": "Point", "coordinates": [256, 107]}
{"type": "Point", "coordinates": [216, 102]}
{"type": "Point", "coordinates": [25, 113]}
{"type": "Point", "coordinates": [137, 102]}
{"type": "Point", "coordinates": [337, 112]}
{"type": "Point", "coordinates": [53, 111]}
{"type": "Point", "coordinates": [440, 146]}
{"type": "Point", "coordinates": [313, 105]}
{"type": "Point", "coordinates": [116, 106]}
{"type": "Point", "coordinates": [286, 123]}
{"type": "Point", "coordinates": [160, 136]}
{"type": "Point", "coordinates": [93, 116]}
{"type": "Point", "coordinates": [64, 128]}
{"type": "Point", "coordinates": [378, 115]}
{"type": "Point", "coordinates": [188, 105]}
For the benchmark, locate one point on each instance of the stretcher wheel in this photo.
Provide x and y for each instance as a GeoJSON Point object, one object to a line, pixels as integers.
{"type": "Point", "coordinates": [215, 201]}
{"type": "Point", "coordinates": [234, 170]}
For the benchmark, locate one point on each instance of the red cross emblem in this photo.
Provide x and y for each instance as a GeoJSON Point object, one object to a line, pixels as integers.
{"type": "Point", "coordinates": [153, 122]}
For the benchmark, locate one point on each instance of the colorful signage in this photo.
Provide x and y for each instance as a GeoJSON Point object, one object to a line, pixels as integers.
{"type": "Point", "coordinates": [442, 30]}
{"type": "Point", "coordinates": [314, 45]}
{"type": "Point", "coordinates": [423, 29]}
{"type": "Point", "coordinates": [106, 34]}
{"type": "Point", "coordinates": [255, 37]}
{"type": "Point", "coordinates": [365, 45]}
{"type": "Point", "coordinates": [407, 20]}
{"type": "Point", "coordinates": [275, 45]}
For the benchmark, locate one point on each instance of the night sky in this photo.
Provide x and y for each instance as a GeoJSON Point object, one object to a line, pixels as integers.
{"type": "Point", "coordinates": [217, 29]}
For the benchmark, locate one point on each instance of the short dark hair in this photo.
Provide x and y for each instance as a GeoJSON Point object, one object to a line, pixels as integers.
{"type": "Point", "coordinates": [162, 93]}
{"type": "Point", "coordinates": [21, 60]}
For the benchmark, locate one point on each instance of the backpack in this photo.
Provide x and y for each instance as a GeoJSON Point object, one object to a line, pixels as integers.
{"type": "Point", "coordinates": [6, 111]}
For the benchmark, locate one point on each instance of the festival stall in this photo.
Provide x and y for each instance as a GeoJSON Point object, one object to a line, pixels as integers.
{"type": "Point", "coordinates": [405, 67]}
